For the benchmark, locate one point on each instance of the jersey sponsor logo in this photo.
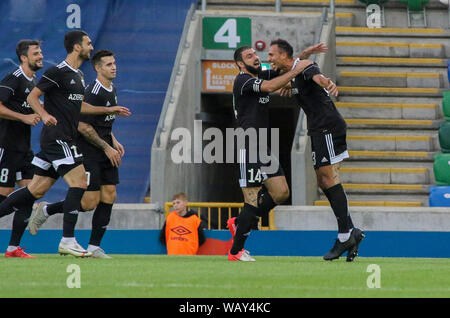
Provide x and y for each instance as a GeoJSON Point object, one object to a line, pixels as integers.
{"type": "Point", "coordinates": [26, 105]}
{"type": "Point", "coordinates": [110, 117]}
{"type": "Point", "coordinates": [264, 100]}
{"type": "Point", "coordinates": [76, 96]}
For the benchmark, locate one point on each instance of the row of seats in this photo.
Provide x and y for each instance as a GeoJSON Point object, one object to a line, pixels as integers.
{"type": "Point", "coordinates": [413, 5]}
{"type": "Point", "coordinates": [440, 194]}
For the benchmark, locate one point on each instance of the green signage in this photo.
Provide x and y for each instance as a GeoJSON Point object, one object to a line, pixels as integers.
{"type": "Point", "coordinates": [226, 33]}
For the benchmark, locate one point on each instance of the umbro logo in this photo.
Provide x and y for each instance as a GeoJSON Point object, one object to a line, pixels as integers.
{"type": "Point", "coordinates": [72, 82]}
{"type": "Point", "coordinates": [181, 230]}
{"type": "Point", "coordinates": [324, 159]}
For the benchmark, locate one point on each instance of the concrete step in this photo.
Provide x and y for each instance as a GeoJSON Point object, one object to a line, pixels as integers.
{"type": "Point", "coordinates": [387, 175]}
{"type": "Point", "coordinates": [389, 110]}
{"type": "Point", "coordinates": [391, 142]}
{"type": "Point", "coordinates": [390, 61]}
{"type": "Point", "coordinates": [378, 155]}
{"type": "Point", "coordinates": [369, 123]}
{"type": "Point", "coordinates": [390, 91]}
{"type": "Point", "coordinates": [382, 188]}
{"type": "Point", "coordinates": [374, 203]}
{"type": "Point", "coordinates": [392, 32]}
{"type": "Point", "coordinates": [352, 47]}
{"type": "Point", "coordinates": [395, 79]}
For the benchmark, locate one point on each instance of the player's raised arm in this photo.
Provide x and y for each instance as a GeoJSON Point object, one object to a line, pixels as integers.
{"type": "Point", "coordinates": [281, 81]}
{"type": "Point", "coordinates": [38, 108]}
{"type": "Point", "coordinates": [103, 110]}
{"type": "Point", "coordinates": [326, 83]}
{"type": "Point", "coordinates": [314, 49]}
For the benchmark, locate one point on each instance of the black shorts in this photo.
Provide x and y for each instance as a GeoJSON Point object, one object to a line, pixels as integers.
{"type": "Point", "coordinates": [15, 166]}
{"type": "Point", "coordinates": [56, 159]}
{"type": "Point", "coordinates": [328, 149]}
{"type": "Point", "coordinates": [255, 170]}
{"type": "Point", "coordinates": [100, 173]}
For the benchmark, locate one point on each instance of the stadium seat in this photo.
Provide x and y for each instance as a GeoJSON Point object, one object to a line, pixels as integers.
{"type": "Point", "coordinates": [441, 168]}
{"type": "Point", "coordinates": [446, 105]}
{"type": "Point", "coordinates": [379, 2]}
{"type": "Point", "coordinates": [439, 196]}
{"type": "Point", "coordinates": [415, 5]}
{"type": "Point", "coordinates": [444, 137]}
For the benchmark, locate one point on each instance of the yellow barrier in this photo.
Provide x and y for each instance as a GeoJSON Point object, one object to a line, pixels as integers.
{"type": "Point", "coordinates": [230, 208]}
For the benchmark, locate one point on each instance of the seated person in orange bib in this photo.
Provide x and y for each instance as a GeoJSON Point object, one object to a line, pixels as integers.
{"type": "Point", "coordinates": [182, 232]}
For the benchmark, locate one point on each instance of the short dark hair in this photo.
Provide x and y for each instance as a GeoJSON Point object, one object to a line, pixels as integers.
{"type": "Point", "coordinates": [23, 46]}
{"type": "Point", "coordinates": [73, 37]}
{"type": "Point", "coordinates": [238, 53]}
{"type": "Point", "coordinates": [284, 46]}
{"type": "Point", "coordinates": [97, 57]}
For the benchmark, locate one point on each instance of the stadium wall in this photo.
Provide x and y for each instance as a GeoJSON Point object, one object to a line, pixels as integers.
{"type": "Point", "coordinates": [301, 231]}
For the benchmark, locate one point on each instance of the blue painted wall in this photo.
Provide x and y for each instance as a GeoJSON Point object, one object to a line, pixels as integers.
{"type": "Point", "coordinates": [281, 243]}
{"type": "Point", "coordinates": [144, 36]}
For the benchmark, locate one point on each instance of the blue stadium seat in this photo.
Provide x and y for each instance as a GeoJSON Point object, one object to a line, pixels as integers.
{"type": "Point", "coordinates": [440, 196]}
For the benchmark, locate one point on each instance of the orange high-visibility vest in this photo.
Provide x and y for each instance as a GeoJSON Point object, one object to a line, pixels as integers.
{"type": "Point", "coordinates": [182, 234]}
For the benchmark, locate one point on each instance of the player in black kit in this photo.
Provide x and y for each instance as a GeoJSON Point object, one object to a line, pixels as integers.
{"type": "Point", "coordinates": [327, 130]}
{"type": "Point", "coordinates": [250, 100]}
{"type": "Point", "coordinates": [16, 119]}
{"type": "Point", "coordinates": [63, 90]}
{"type": "Point", "coordinates": [102, 156]}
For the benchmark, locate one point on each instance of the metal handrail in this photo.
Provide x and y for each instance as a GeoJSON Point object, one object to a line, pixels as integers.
{"type": "Point", "coordinates": [220, 206]}
{"type": "Point", "coordinates": [175, 71]}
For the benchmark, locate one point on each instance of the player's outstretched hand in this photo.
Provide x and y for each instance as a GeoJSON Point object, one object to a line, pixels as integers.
{"type": "Point", "coordinates": [120, 110]}
{"type": "Point", "coordinates": [319, 48]}
{"type": "Point", "coordinates": [49, 120]}
{"type": "Point", "coordinates": [31, 119]}
{"type": "Point", "coordinates": [331, 87]}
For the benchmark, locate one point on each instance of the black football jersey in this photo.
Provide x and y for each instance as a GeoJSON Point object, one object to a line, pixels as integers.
{"type": "Point", "coordinates": [14, 90]}
{"type": "Point", "coordinates": [98, 95]}
{"type": "Point", "coordinates": [321, 113]}
{"type": "Point", "coordinates": [251, 106]}
{"type": "Point", "coordinates": [64, 93]}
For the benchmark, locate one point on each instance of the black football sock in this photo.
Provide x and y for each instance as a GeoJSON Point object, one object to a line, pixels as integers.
{"type": "Point", "coordinates": [70, 209]}
{"type": "Point", "coordinates": [100, 221]}
{"type": "Point", "coordinates": [265, 202]}
{"type": "Point", "coordinates": [338, 201]}
{"type": "Point", "coordinates": [245, 221]}
{"type": "Point", "coordinates": [19, 198]}
{"type": "Point", "coordinates": [20, 222]}
{"type": "Point", "coordinates": [54, 208]}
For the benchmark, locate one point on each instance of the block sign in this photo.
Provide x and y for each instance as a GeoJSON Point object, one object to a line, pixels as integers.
{"type": "Point", "coordinates": [218, 76]}
{"type": "Point", "coordinates": [226, 33]}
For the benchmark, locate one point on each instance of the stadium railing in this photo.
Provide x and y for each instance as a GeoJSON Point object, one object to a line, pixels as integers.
{"type": "Point", "coordinates": [215, 214]}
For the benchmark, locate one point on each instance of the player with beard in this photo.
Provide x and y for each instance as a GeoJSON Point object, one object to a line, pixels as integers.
{"type": "Point", "coordinates": [250, 101]}
{"type": "Point", "coordinates": [63, 89]}
{"type": "Point", "coordinates": [327, 130]}
{"type": "Point", "coordinates": [102, 156]}
{"type": "Point", "coordinates": [16, 119]}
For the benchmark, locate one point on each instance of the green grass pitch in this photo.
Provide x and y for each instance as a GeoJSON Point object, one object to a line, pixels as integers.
{"type": "Point", "coordinates": [161, 276]}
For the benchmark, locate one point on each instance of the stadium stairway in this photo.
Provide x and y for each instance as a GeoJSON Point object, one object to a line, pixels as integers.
{"type": "Point", "coordinates": [390, 82]}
